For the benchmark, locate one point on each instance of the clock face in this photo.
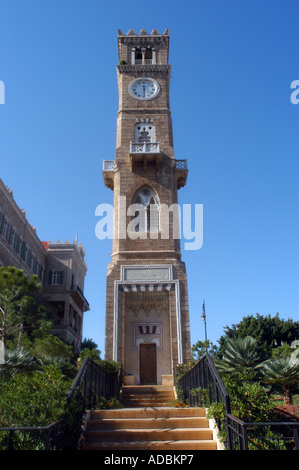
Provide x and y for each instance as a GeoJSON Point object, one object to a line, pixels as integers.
{"type": "Point", "coordinates": [144, 88]}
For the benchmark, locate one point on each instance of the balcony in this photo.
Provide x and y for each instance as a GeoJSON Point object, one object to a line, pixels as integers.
{"type": "Point", "coordinates": [144, 147]}
{"type": "Point", "coordinates": [181, 172]}
{"type": "Point", "coordinates": [108, 173]}
{"type": "Point", "coordinates": [145, 152]}
{"type": "Point", "coordinates": [78, 297]}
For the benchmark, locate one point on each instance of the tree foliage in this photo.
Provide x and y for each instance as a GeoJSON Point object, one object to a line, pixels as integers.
{"type": "Point", "coordinates": [269, 333]}
{"type": "Point", "coordinates": [282, 371]}
{"type": "Point", "coordinates": [240, 357]}
{"type": "Point", "coordinates": [241, 363]}
{"type": "Point", "coordinates": [17, 361]}
{"type": "Point", "coordinates": [200, 348]}
{"type": "Point", "coordinates": [33, 400]}
{"type": "Point", "coordinates": [22, 312]}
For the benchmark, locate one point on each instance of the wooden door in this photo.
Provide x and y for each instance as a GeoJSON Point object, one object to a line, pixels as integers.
{"type": "Point", "coordinates": [148, 364]}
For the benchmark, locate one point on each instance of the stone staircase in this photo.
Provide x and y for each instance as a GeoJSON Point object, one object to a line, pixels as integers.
{"type": "Point", "coordinates": [148, 423]}
{"type": "Point", "coordinates": [147, 395]}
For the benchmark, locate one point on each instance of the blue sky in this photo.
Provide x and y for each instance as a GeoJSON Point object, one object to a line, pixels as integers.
{"type": "Point", "coordinates": [232, 65]}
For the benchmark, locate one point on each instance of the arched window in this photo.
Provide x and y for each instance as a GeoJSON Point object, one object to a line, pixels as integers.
{"type": "Point", "coordinates": [138, 57]}
{"type": "Point", "coordinates": [143, 55]}
{"type": "Point", "coordinates": [146, 218]}
{"type": "Point", "coordinates": [148, 56]}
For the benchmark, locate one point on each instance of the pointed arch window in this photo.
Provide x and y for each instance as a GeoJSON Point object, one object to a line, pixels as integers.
{"type": "Point", "coordinates": [147, 217]}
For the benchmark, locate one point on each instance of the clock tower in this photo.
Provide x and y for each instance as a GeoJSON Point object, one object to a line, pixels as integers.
{"type": "Point", "coordinates": [147, 313]}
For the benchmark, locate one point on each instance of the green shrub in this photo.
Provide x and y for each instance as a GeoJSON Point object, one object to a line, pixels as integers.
{"type": "Point", "coordinates": [250, 401]}
{"type": "Point", "coordinates": [34, 400]}
{"type": "Point", "coordinates": [110, 367]}
{"type": "Point", "coordinates": [201, 395]}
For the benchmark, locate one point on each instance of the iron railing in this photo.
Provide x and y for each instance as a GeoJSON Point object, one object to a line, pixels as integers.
{"type": "Point", "coordinates": [240, 435]}
{"type": "Point", "coordinates": [90, 384]}
{"type": "Point", "coordinates": [205, 376]}
{"type": "Point", "coordinates": [269, 435]}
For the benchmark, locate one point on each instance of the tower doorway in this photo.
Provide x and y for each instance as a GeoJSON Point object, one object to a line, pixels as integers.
{"type": "Point", "coordinates": [148, 364]}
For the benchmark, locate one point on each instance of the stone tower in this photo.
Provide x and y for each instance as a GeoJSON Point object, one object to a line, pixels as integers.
{"type": "Point", "coordinates": [147, 313]}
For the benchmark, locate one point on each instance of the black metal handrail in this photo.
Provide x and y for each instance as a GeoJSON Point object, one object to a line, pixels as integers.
{"type": "Point", "coordinates": [91, 383]}
{"type": "Point", "coordinates": [285, 437]}
{"type": "Point", "coordinates": [95, 383]}
{"type": "Point", "coordinates": [204, 375]}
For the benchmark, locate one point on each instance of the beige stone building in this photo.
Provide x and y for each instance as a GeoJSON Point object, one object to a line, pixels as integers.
{"type": "Point", "coordinates": [147, 313]}
{"type": "Point", "coordinates": [60, 267]}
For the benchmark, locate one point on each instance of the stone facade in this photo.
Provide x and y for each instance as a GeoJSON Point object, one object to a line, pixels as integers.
{"type": "Point", "coordinates": [64, 288]}
{"type": "Point", "coordinates": [60, 267]}
{"type": "Point", "coordinates": [19, 243]}
{"type": "Point", "coordinates": [145, 308]}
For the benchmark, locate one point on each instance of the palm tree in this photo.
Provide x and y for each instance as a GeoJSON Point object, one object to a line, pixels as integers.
{"type": "Point", "coordinates": [240, 357]}
{"type": "Point", "coordinates": [18, 361]}
{"type": "Point", "coordinates": [283, 371]}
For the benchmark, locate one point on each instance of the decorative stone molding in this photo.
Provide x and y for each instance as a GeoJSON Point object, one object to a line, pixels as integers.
{"type": "Point", "coordinates": [162, 272]}
{"type": "Point", "coordinates": [160, 68]}
{"type": "Point", "coordinates": [141, 280]}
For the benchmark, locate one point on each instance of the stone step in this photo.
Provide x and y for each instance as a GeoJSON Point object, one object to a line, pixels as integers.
{"type": "Point", "coordinates": [144, 395]}
{"type": "Point", "coordinates": [157, 395]}
{"type": "Point", "coordinates": [134, 403]}
{"type": "Point", "coordinates": [134, 413]}
{"type": "Point", "coordinates": [154, 445]}
{"type": "Point", "coordinates": [147, 423]}
{"type": "Point", "coordinates": [149, 428]}
{"type": "Point", "coordinates": [137, 435]}
{"type": "Point", "coordinates": [142, 390]}
{"type": "Point", "coordinates": [147, 388]}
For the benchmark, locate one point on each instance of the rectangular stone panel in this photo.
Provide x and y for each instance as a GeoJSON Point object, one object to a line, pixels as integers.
{"type": "Point", "coordinates": [147, 273]}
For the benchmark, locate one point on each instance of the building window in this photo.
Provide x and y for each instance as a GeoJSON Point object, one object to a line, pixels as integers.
{"type": "Point", "coordinates": [147, 218]}
{"type": "Point", "coordinates": [148, 56]}
{"type": "Point", "coordinates": [12, 238]}
{"type": "Point", "coordinates": [29, 259]}
{"type": "Point", "coordinates": [3, 227]}
{"type": "Point", "coordinates": [19, 245]}
{"type": "Point", "coordinates": [7, 234]}
{"type": "Point", "coordinates": [55, 278]}
{"type": "Point", "coordinates": [143, 55]}
{"type": "Point", "coordinates": [24, 250]}
{"type": "Point", "coordinates": [138, 57]}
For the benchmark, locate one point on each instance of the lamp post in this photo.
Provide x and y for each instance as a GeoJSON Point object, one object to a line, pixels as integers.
{"type": "Point", "coordinates": [204, 319]}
